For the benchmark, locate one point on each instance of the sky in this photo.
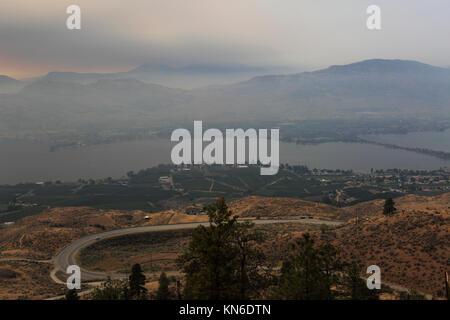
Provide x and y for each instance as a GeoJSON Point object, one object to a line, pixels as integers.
{"type": "Point", "coordinates": [119, 35]}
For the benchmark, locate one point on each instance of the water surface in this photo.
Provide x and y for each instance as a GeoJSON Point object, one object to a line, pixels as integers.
{"type": "Point", "coordinates": [32, 162]}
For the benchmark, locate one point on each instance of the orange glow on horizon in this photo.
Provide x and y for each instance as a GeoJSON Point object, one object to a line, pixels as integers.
{"type": "Point", "coordinates": [21, 69]}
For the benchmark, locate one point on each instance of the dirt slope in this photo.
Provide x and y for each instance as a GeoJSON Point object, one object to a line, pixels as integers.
{"type": "Point", "coordinates": [43, 235]}
{"type": "Point", "coordinates": [412, 248]}
{"type": "Point", "coordinates": [255, 206]}
{"type": "Point", "coordinates": [403, 204]}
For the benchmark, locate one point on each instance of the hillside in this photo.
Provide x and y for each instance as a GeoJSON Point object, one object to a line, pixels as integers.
{"type": "Point", "coordinates": [263, 207]}
{"type": "Point", "coordinates": [412, 248]}
{"type": "Point", "coordinates": [26, 248]}
{"type": "Point", "coordinates": [43, 235]}
{"type": "Point", "coordinates": [430, 204]}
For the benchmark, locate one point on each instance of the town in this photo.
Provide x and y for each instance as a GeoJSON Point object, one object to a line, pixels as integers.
{"type": "Point", "coordinates": [192, 186]}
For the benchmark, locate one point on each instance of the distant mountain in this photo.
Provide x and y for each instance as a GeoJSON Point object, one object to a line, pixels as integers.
{"type": "Point", "coordinates": [53, 88]}
{"type": "Point", "coordinates": [106, 103]}
{"type": "Point", "coordinates": [368, 68]}
{"type": "Point", "coordinates": [197, 69]}
{"type": "Point", "coordinates": [92, 101]}
{"type": "Point", "coordinates": [9, 85]}
{"type": "Point", "coordinates": [380, 66]}
{"type": "Point", "coordinates": [58, 76]}
{"type": "Point", "coordinates": [371, 87]}
{"type": "Point", "coordinates": [116, 90]}
{"type": "Point", "coordinates": [6, 79]}
{"type": "Point", "coordinates": [184, 77]}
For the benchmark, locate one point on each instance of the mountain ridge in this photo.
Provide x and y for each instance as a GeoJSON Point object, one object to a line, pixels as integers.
{"type": "Point", "coordinates": [368, 65]}
{"type": "Point", "coordinates": [364, 67]}
{"type": "Point", "coordinates": [370, 88]}
{"type": "Point", "coordinates": [9, 85]}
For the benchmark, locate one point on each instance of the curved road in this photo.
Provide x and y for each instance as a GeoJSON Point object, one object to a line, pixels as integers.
{"type": "Point", "coordinates": [67, 256]}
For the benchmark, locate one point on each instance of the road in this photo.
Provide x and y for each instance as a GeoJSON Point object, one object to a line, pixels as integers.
{"type": "Point", "coordinates": [68, 255]}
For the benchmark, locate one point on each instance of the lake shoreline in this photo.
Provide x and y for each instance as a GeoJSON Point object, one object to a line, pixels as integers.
{"type": "Point", "coordinates": [32, 161]}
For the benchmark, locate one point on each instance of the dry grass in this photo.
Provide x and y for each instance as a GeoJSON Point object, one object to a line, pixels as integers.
{"type": "Point", "coordinates": [27, 280]}
{"type": "Point", "coordinates": [412, 248]}
{"type": "Point", "coordinates": [255, 206]}
{"type": "Point", "coordinates": [43, 235]}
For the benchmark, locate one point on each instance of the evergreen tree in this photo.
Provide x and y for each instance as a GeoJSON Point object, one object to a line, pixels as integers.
{"type": "Point", "coordinates": [355, 288]}
{"type": "Point", "coordinates": [309, 273]}
{"type": "Point", "coordinates": [163, 292]}
{"type": "Point", "coordinates": [251, 279]}
{"type": "Point", "coordinates": [389, 207]}
{"type": "Point", "coordinates": [211, 260]}
{"type": "Point", "coordinates": [223, 260]}
{"type": "Point", "coordinates": [329, 265]}
{"type": "Point", "coordinates": [72, 295]}
{"type": "Point", "coordinates": [137, 282]}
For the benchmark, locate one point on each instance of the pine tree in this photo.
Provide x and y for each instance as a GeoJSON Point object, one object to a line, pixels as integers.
{"type": "Point", "coordinates": [355, 288]}
{"type": "Point", "coordinates": [211, 260]}
{"type": "Point", "coordinates": [72, 295]}
{"type": "Point", "coordinates": [137, 282]}
{"type": "Point", "coordinates": [308, 273]}
{"type": "Point", "coordinates": [389, 207]}
{"type": "Point", "coordinates": [163, 292]}
{"type": "Point", "coordinates": [222, 261]}
{"type": "Point", "coordinates": [250, 260]}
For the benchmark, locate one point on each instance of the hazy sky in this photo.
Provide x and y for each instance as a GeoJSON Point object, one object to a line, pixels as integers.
{"type": "Point", "coordinates": [118, 35]}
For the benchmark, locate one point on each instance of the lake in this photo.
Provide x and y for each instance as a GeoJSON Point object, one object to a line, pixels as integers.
{"type": "Point", "coordinates": [30, 162]}
{"type": "Point", "coordinates": [430, 139]}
